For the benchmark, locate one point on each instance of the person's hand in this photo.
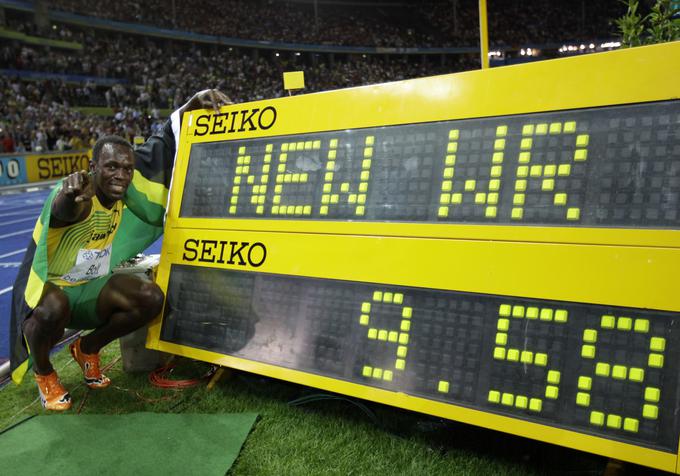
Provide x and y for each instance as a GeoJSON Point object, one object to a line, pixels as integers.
{"type": "Point", "coordinates": [207, 99]}
{"type": "Point", "coordinates": [78, 187]}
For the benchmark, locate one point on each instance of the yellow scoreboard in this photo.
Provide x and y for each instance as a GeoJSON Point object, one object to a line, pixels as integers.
{"type": "Point", "coordinates": [497, 247]}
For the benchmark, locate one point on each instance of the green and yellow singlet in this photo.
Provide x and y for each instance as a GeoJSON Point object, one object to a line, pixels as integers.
{"type": "Point", "coordinates": [81, 252]}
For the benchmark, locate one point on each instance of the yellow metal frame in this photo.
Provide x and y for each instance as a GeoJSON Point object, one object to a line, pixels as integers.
{"type": "Point", "coordinates": [561, 263]}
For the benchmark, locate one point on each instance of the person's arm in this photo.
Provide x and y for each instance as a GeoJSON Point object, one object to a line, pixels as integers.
{"type": "Point", "coordinates": [74, 201]}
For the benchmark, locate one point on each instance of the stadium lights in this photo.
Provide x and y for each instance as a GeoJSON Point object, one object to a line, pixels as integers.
{"type": "Point", "coordinates": [496, 54]}
{"type": "Point", "coordinates": [276, 54]}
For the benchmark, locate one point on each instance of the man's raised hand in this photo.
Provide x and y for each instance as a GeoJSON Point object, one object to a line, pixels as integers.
{"type": "Point", "coordinates": [207, 99]}
{"type": "Point", "coordinates": [78, 187]}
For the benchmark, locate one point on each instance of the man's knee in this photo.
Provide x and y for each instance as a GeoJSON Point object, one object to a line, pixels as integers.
{"type": "Point", "coordinates": [52, 313]}
{"type": "Point", "coordinates": [150, 300]}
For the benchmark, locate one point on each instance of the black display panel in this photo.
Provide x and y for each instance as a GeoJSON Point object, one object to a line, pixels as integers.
{"type": "Point", "coordinates": [602, 370]}
{"type": "Point", "coordinates": [612, 166]}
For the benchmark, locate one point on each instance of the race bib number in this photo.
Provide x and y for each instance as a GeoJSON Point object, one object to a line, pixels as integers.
{"type": "Point", "coordinates": [90, 264]}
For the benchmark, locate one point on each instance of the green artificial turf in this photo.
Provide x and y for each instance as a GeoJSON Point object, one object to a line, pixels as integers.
{"type": "Point", "coordinates": [325, 436]}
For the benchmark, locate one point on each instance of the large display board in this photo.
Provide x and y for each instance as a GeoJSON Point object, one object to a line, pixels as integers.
{"type": "Point", "coordinates": [497, 247]}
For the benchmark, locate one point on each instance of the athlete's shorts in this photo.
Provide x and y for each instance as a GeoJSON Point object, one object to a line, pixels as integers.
{"type": "Point", "coordinates": [83, 301]}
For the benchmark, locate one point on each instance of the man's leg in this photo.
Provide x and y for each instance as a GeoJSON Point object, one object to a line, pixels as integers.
{"type": "Point", "coordinates": [45, 326]}
{"type": "Point", "coordinates": [125, 304]}
{"type": "Point", "coordinates": [42, 330]}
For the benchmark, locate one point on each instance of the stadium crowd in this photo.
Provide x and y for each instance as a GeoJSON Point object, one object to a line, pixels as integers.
{"type": "Point", "coordinates": [138, 77]}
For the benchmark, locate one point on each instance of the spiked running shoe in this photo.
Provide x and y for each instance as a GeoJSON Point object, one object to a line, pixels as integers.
{"type": "Point", "coordinates": [53, 395]}
{"type": "Point", "coordinates": [90, 365]}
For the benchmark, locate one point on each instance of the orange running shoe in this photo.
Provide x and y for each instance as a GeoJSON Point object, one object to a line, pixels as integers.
{"type": "Point", "coordinates": [53, 395]}
{"type": "Point", "coordinates": [90, 365]}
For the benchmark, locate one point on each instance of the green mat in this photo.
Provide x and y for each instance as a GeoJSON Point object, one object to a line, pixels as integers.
{"type": "Point", "coordinates": [137, 443]}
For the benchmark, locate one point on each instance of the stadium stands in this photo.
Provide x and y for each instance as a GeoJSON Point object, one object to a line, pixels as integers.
{"type": "Point", "coordinates": [51, 77]}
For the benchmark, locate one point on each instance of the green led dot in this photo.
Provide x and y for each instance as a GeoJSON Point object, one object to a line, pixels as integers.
{"type": "Point", "coordinates": [602, 369]}
{"type": "Point", "coordinates": [367, 371]}
{"type": "Point", "coordinates": [541, 359]}
{"type": "Point", "coordinates": [382, 334]}
{"type": "Point", "coordinates": [652, 394]}
{"type": "Point", "coordinates": [564, 170]}
{"type": "Point", "coordinates": [607, 322]}
{"type": "Point", "coordinates": [590, 335]}
{"type": "Point", "coordinates": [549, 170]}
{"type": "Point", "coordinates": [585, 383]}
{"type": "Point", "coordinates": [597, 418]}
{"type": "Point", "coordinates": [363, 320]}
{"type": "Point", "coordinates": [583, 399]}
{"type": "Point", "coordinates": [494, 185]}
{"type": "Point", "coordinates": [580, 155]}
{"type": "Point", "coordinates": [403, 338]}
{"type": "Point", "coordinates": [501, 338]}
{"type": "Point", "coordinates": [480, 198]}
{"type": "Point", "coordinates": [631, 424]}
{"type": "Point", "coordinates": [561, 315]}
{"type": "Point", "coordinates": [614, 421]}
{"type": "Point", "coordinates": [518, 311]}
{"type": "Point", "coordinates": [398, 298]}
{"type": "Point", "coordinates": [582, 140]}
{"type": "Point", "coordinates": [517, 214]}
{"type": "Point", "coordinates": [370, 140]}
{"type": "Point", "coordinates": [524, 157]}
{"type": "Point", "coordinates": [405, 326]}
{"type": "Point", "coordinates": [526, 357]}
{"type": "Point", "coordinates": [528, 130]}
{"type": "Point", "coordinates": [387, 375]}
{"type": "Point", "coordinates": [372, 333]}
{"type": "Point", "coordinates": [387, 297]}
{"type": "Point", "coordinates": [400, 364]}
{"type": "Point", "coordinates": [407, 312]}
{"type": "Point", "coordinates": [513, 355]}
{"type": "Point", "coordinates": [573, 213]}
{"type": "Point", "coordinates": [443, 211]}
{"type": "Point", "coordinates": [532, 313]}
{"type": "Point", "coordinates": [501, 131]}
{"type": "Point", "coordinates": [535, 404]}
{"type": "Point", "coordinates": [503, 324]}
{"type": "Point", "coordinates": [504, 310]}
{"type": "Point", "coordinates": [554, 377]}
{"type": "Point", "coordinates": [457, 198]}
{"type": "Point", "coordinates": [657, 344]}
{"type": "Point", "coordinates": [522, 171]}
{"type": "Point", "coordinates": [624, 323]}
{"type": "Point", "coordinates": [333, 143]}
{"type": "Point", "coordinates": [641, 325]}
{"type": "Point", "coordinates": [323, 210]}
{"type": "Point", "coordinates": [494, 396]}
{"type": "Point", "coordinates": [470, 185]}
{"type": "Point", "coordinates": [619, 372]}
{"type": "Point", "coordinates": [518, 199]}
{"type": "Point", "coordinates": [655, 360]}
{"type": "Point", "coordinates": [452, 147]}
{"type": "Point", "coordinates": [377, 296]}
{"type": "Point", "coordinates": [636, 374]}
{"type": "Point", "coordinates": [551, 392]}
{"type": "Point", "coordinates": [650, 412]}
{"type": "Point", "coordinates": [402, 350]}
{"type": "Point", "coordinates": [499, 353]}
{"type": "Point", "coordinates": [496, 171]}
{"type": "Point", "coordinates": [366, 307]}
{"type": "Point", "coordinates": [546, 314]}
{"type": "Point", "coordinates": [507, 399]}
{"type": "Point", "coordinates": [556, 128]}
{"type": "Point", "coordinates": [569, 127]}
{"type": "Point", "coordinates": [332, 154]}
{"type": "Point", "coordinates": [377, 373]}
{"type": "Point", "coordinates": [499, 144]}
{"type": "Point", "coordinates": [443, 386]}
{"type": "Point", "coordinates": [497, 158]}
{"type": "Point", "coordinates": [548, 185]}
{"type": "Point", "coordinates": [521, 401]}
{"type": "Point", "coordinates": [453, 134]}
{"type": "Point", "coordinates": [526, 143]}
{"type": "Point", "coordinates": [490, 212]}
{"type": "Point", "coordinates": [393, 336]}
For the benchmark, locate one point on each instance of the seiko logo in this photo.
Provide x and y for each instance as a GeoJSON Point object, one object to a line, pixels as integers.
{"type": "Point", "coordinates": [240, 253]}
{"type": "Point", "coordinates": [246, 120]}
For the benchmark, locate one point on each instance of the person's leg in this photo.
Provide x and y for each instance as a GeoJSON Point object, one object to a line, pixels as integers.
{"type": "Point", "coordinates": [45, 326]}
{"type": "Point", "coordinates": [42, 330]}
{"type": "Point", "coordinates": [125, 304]}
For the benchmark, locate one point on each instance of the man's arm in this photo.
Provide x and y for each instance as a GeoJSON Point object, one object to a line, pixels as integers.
{"type": "Point", "coordinates": [74, 201]}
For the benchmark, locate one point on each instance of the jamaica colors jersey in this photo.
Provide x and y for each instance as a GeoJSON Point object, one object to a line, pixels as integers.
{"type": "Point", "coordinates": [141, 223]}
{"type": "Point", "coordinates": [82, 251]}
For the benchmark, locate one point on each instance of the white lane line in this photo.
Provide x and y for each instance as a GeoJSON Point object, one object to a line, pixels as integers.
{"type": "Point", "coordinates": [12, 253]}
{"type": "Point", "coordinates": [20, 232]}
{"type": "Point", "coordinates": [6, 290]}
{"type": "Point", "coordinates": [25, 212]}
{"type": "Point", "coordinates": [11, 264]}
{"type": "Point", "coordinates": [22, 209]}
{"type": "Point", "coordinates": [17, 221]}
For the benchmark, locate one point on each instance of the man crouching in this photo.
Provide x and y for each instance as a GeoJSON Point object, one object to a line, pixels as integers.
{"type": "Point", "coordinates": [80, 292]}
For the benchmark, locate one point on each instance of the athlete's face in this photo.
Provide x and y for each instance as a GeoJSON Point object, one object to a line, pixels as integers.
{"type": "Point", "coordinates": [113, 173]}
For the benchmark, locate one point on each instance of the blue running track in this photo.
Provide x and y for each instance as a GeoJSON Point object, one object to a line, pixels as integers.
{"type": "Point", "coordinates": [18, 213]}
